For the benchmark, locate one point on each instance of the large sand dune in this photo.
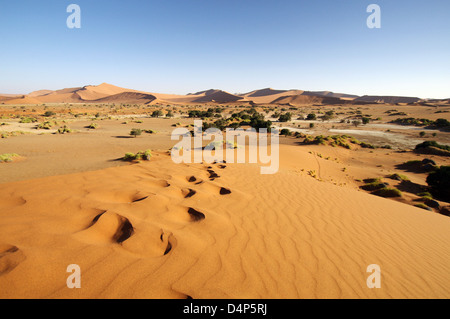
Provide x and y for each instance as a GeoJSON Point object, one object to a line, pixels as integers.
{"type": "Point", "coordinates": [95, 93]}
{"type": "Point", "coordinates": [162, 230]}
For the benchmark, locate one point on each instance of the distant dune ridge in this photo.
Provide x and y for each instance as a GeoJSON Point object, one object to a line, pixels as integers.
{"type": "Point", "coordinates": [108, 93]}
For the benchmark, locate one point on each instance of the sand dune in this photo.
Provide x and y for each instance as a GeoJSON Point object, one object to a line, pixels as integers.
{"type": "Point", "coordinates": [127, 97]}
{"type": "Point", "coordinates": [162, 230]}
{"type": "Point", "coordinates": [218, 96]}
{"type": "Point", "coordinates": [302, 99]}
{"type": "Point", "coordinates": [91, 93]}
{"type": "Point", "coordinates": [39, 93]}
{"type": "Point", "coordinates": [263, 92]}
{"type": "Point", "coordinates": [331, 94]}
{"type": "Point", "coordinates": [387, 99]}
{"type": "Point", "coordinates": [21, 100]}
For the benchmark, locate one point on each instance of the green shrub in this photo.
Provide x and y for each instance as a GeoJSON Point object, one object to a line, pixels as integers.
{"type": "Point", "coordinates": [439, 182]}
{"type": "Point", "coordinates": [141, 155]}
{"type": "Point", "coordinates": [398, 177]}
{"type": "Point", "coordinates": [92, 126]}
{"type": "Point", "coordinates": [285, 117]}
{"type": "Point", "coordinates": [388, 192]}
{"type": "Point", "coordinates": [64, 130]}
{"type": "Point", "coordinates": [374, 185]}
{"type": "Point", "coordinates": [427, 144]}
{"type": "Point", "coordinates": [157, 113]}
{"type": "Point", "coordinates": [135, 132]}
{"type": "Point", "coordinates": [28, 120]}
{"type": "Point", "coordinates": [7, 158]}
{"type": "Point", "coordinates": [49, 113]}
{"type": "Point", "coordinates": [423, 206]}
{"type": "Point", "coordinates": [44, 126]}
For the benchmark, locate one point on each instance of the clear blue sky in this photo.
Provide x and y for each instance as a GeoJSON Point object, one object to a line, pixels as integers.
{"type": "Point", "coordinates": [181, 46]}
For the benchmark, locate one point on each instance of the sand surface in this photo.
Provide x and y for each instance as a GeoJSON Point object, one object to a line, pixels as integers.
{"type": "Point", "coordinates": [150, 231]}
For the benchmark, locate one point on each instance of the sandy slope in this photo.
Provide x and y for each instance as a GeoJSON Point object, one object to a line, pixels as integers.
{"type": "Point", "coordinates": [161, 230]}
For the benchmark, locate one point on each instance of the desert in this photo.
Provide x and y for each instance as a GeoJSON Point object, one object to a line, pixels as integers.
{"type": "Point", "coordinates": [146, 227]}
{"type": "Point", "coordinates": [224, 158]}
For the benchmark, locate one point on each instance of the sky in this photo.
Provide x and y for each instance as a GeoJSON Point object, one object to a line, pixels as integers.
{"type": "Point", "coordinates": [183, 46]}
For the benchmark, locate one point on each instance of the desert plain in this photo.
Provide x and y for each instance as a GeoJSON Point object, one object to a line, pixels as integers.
{"type": "Point", "coordinates": [351, 191]}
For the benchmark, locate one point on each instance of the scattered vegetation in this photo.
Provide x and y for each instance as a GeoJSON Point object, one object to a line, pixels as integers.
{"type": "Point", "coordinates": [47, 125]}
{"type": "Point", "coordinates": [92, 126]}
{"type": "Point", "coordinates": [28, 120]}
{"type": "Point", "coordinates": [439, 183]}
{"type": "Point", "coordinates": [432, 147]}
{"type": "Point", "coordinates": [439, 123]}
{"type": "Point", "coordinates": [135, 132]}
{"type": "Point", "coordinates": [7, 158]}
{"type": "Point", "coordinates": [388, 192]}
{"type": "Point", "coordinates": [398, 177]}
{"type": "Point", "coordinates": [157, 113]}
{"type": "Point", "coordinates": [139, 156]}
{"type": "Point", "coordinates": [49, 114]}
{"type": "Point", "coordinates": [64, 130]}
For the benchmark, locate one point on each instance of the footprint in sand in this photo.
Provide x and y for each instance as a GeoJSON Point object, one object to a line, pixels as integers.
{"type": "Point", "coordinates": [196, 216]}
{"type": "Point", "coordinates": [107, 227]}
{"type": "Point", "coordinates": [10, 258]}
{"type": "Point", "coordinates": [224, 191]}
{"type": "Point", "coordinates": [188, 192]}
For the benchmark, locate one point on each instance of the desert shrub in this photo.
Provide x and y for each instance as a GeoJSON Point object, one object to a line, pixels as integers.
{"type": "Point", "coordinates": [367, 145]}
{"type": "Point", "coordinates": [169, 114]}
{"type": "Point", "coordinates": [432, 144]}
{"type": "Point", "coordinates": [311, 125]}
{"type": "Point", "coordinates": [49, 113]}
{"type": "Point", "coordinates": [64, 130]}
{"type": "Point", "coordinates": [398, 177]}
{"type": "Point", "coordinates": [92, 126]}
{"type": "Point", "coordinates": [356, 123]}
{"type": "Point", "coordinates": [285, 117]}
{"type": "Point", "coordinates": [141, 155]}
{"type": "Point", "coordinates": [388, 192]}
{"type": "Point", "coordinates": [425, 194]}
{"type": "Point", "coordinates": [439, 182]}
{"type": "Point", "coordinates": [285, 132]}
{"type": "Point", "coordinates": [373, 185]}
{"type": "Point", "coordinates": [311, 117]}
{"type": "Point", "coordinates": [7, 158]}
{"type": "Point", "coordinates": [365, 120]}
{"type": "Point", "coordinates": [423, 206]}
{"type": "Point", "coordinates": [28, 120]}
{"type": "Point", "coordinates": [135, 132]}
{"type": "Point", "coordinates": [45, 125]}
{"type": "Point", "coordinates": [157, 113]}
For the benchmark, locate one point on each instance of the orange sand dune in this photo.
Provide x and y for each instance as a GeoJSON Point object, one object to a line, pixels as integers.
{"type": "Point", "coordinates": [128, 97]}
{"type": "Point", "coordinates": [22, 100]}
{"type": "Point", "coordinates": [40, 93]}
{"type": "Point", "coordinates": [304, 99]}
{"type": "Point", "coordinates": [218, 96]}
{"type": "Point", "coordinates": [162, 230]}
{"type": "Point", "coordinates": [266, 96]}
